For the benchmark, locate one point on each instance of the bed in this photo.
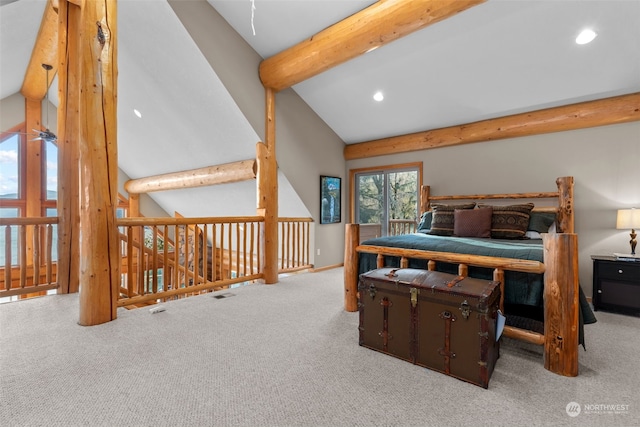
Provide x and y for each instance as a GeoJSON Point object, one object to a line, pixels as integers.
{"type": "Point", "coordinates": [537, 269]}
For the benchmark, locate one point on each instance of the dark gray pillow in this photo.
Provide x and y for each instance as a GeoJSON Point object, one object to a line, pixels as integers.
{"type": "Point", "coordinates": [425, 222]}
{"type": "Point", "coordinates": [541, 221]}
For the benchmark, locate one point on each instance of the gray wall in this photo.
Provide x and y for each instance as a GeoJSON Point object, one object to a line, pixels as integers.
{"type": "Point", "coordinates": [305, 146]}
{"type": "Point", "coordinates": [604, 162]}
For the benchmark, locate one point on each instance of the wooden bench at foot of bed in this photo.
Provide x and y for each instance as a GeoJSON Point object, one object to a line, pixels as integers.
{"type": "Point", "coordinates": [561, 285]}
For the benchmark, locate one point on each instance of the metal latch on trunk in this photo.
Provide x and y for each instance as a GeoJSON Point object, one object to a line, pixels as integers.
{"type": "Point", "coordinates": [465, 308]}
{"type": "Point", "coordinates": [372, 291]}
{"type": "Point", "coordinates": [414, 296]}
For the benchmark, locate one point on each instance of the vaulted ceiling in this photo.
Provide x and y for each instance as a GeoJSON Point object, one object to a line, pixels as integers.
{"type": "Point", "coordinates": [497, 58]}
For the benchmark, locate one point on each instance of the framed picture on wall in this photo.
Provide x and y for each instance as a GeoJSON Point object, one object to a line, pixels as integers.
{"type": "Point", "coordinates": [330, 196]}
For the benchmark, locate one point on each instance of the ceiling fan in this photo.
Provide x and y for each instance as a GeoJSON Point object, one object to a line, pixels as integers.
{"type": "Point", "coordinates": [46, 135]}
{"type": "Point", "coordinates": [43, 135]}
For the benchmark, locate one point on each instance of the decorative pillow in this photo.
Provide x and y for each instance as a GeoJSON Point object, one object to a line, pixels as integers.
{"type": "Point", "coordinates": [425, 222]}
{"type": "Point", "coordinates": [472, 222]}
{"type": "Point", "coordinates": [443, 220]}
{"type": "Point", "coordinates": [541, 221]}
{"type": "Point", "coordinates": [509, 222]}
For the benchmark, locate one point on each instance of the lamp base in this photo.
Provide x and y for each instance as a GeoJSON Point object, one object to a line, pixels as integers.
{"type": "Point", "coordinates": [633, 241]}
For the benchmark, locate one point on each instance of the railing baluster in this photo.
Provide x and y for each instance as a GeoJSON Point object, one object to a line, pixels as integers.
{"type": "Point", "coordinates": [8, 255]}
{"type": "Point", "coordinates": [36, 255]}
{"type": "Point", "coordinates": [22, 250]}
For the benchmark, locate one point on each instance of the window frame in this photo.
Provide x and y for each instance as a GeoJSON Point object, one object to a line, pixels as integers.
{"type": "Point", "coordinates": [399, 167]}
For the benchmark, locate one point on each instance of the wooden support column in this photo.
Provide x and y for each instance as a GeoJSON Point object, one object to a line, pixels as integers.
{"type": "Point", "coordinates": [268, 191]}
{"type": "Point", "coordinates": [33, 114]}
{"type": "Point", "coordinates": [351, 241]}
{"type": "Point", "coordinates": [100, 260]}
{"type": "Point", "coordinates": [68, 148]}
{"type": "Point", "coordinates": [561, 303]}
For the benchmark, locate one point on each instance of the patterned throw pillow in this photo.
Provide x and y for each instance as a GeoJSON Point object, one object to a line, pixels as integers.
{"type": "Point", "coordinates": [472, 222]}
{"type": "Point", "coordinates": [443, 220]}
{"type": "Point", "coordinates": [509, 222]}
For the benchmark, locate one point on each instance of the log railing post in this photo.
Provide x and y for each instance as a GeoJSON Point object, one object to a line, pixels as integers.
{"type": "Point", "coordinates": [561, 304]}
{"type": "Point", "coordinates": [351, 240]}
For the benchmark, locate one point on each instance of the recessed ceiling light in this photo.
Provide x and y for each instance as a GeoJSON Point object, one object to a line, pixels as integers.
{"type": "Point", "coordinates": [586, 36]}
{"type": "Point", "coordinates": [378, 96]}
{"type": "Point", "coordinates": [137, 113]}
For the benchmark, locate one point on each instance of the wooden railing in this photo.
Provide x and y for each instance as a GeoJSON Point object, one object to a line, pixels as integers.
{"type": "Point", "coordinates": [166, 258]}
{"type": "Point", "coordinates": [28, 258]}
{"type": "Point", "coordinates": [294, 238]}
{"type": "Point", "coordinates": [161, 258]}
{"type": "Point", "coordinates": [402, 226]}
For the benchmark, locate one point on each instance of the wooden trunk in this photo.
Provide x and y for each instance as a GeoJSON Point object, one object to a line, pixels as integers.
{"type": "Point", "coordinates": [444, 322]}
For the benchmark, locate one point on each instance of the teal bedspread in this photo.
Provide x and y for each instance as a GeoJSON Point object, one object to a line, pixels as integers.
{"type": "Point", "coordinates": [521, 289]}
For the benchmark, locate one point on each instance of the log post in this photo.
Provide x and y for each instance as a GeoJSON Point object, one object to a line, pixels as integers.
{"type": "Point", "coordinates": [566, 222]}
{"type": "Point", "coordinates": [34, 154]}
{"type": "Point", "coordinates": [351, 241]}
{"type": "Point", "coordinates": [99, 269]}
{"type": "Point", "coordinates": [425, 191]}
{"type": "Point", "coordinates": [68, 275]}
{"type": "Point", "coordinates": [561, 305]}
{"type": "Point", "coordinates": [268, 192]}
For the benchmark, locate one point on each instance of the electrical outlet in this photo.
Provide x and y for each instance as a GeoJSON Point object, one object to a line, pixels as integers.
{"type": "Point", "coordinates": [318, 251]}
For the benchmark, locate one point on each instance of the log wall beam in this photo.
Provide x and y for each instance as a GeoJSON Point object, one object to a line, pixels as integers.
{"type": "Point", "coordinates": [45, 51]}
{"type": "Point", "coordinates": [210, 175]}
{"type": "Point", "coordinates": [614, 110]}
{"type": "Point", "coordinates": [375, 26]}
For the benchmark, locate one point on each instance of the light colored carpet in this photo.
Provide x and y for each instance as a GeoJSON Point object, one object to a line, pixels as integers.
{"type": "Point", "coordinates": [283, 355]}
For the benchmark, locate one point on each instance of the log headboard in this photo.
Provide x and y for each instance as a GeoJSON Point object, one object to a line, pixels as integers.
{"type": "Point", "coordinates": [564, 198]}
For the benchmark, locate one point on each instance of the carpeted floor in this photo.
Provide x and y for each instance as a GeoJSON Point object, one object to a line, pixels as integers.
{"type": "Point", "coordinates": [283, 355]}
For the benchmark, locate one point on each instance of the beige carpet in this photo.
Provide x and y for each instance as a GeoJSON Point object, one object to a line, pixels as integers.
{"type": "Point", "coordinates": [283, 355]}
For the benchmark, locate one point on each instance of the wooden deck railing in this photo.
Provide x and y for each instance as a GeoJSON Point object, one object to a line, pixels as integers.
{"type": "Point", "coordinates": [161, 258]}
{"type": "Point", "coordinates": [28, 258]}
{"type": "Point", "coordinates": [402, 226]}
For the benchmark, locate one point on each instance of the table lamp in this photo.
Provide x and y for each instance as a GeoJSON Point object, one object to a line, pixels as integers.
{"type": "Point", "coordinates": [629, 219]}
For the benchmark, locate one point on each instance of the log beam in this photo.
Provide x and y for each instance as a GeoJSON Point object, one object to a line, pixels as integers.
{"type": "Point", "coordinates": [210, 175]}
{"type": "Point", "coordinates": [618, 109]}
{"type": "Point", "coordinates": [45, 51]}
{"type": "Point", "coordinates": [375, 26]}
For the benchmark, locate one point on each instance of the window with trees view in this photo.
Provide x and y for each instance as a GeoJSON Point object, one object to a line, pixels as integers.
{"type": "Point", "coordinates": [388, 196]}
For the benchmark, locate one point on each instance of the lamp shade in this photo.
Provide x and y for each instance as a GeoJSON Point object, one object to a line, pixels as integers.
{"type": "Point", "coordinates": [628, 218]}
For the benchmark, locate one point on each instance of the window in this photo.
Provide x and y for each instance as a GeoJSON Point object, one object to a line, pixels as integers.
{"type": "Point", "coordinates": [387, 196]}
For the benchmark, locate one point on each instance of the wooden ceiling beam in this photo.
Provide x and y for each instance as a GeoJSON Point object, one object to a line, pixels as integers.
{"type": "Point", "coordinates": [45, 51]}
{"type": "Point", "coordinates": [375, 26]}
{"type": "Point", "coordinates": [618, 109]}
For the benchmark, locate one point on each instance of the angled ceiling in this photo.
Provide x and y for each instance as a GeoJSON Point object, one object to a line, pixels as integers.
{"type": "Point", "coordinates": [498, 58]}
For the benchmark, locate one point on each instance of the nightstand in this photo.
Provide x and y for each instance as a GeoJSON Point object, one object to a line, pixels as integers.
{"type": "Point", "coordinates": [616, 285]}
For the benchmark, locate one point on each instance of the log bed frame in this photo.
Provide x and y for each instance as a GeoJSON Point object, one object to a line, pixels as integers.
{"type": "Point", "coordinates": [560, 268]}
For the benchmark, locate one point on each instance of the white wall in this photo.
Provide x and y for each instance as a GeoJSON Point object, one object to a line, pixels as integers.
{"type": "Point", "coordinates": [305, 146]}
{"type": "Point", "coordinates": [604, 161]}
